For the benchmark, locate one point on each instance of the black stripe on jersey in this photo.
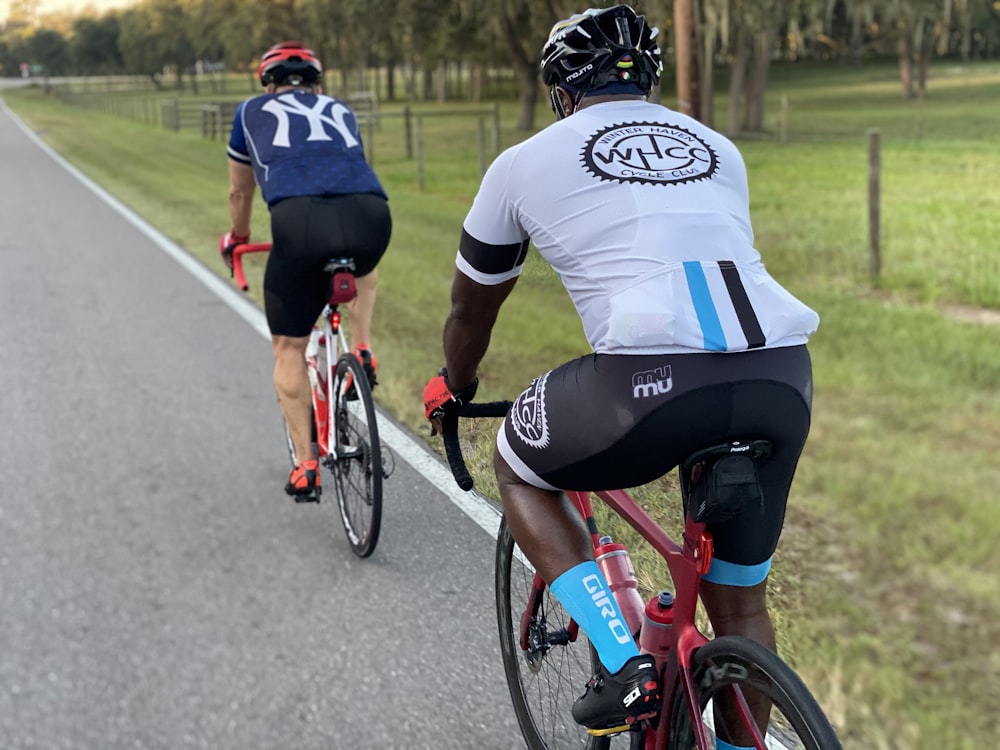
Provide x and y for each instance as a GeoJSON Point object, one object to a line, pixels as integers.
{"type": "Point", "coordinates": [741, 303]}
{"type": "Point", "coordinates": [492, 259]}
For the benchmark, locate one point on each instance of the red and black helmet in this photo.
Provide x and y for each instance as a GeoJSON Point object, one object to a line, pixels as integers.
{"type": "Point", "coordinates": [289, 62]}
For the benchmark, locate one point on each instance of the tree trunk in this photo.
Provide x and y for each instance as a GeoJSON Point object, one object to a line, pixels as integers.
{"type": "Point", "coordinates": [737, 81]}
{"type": "Point", "coordinates": [525, 71]}
{"type": "Point", "coordinates": [527, 96]}
{"type": "Point", "coordinates": [427, 84]}
{"type": "Point", "coordinates": [707, 24]}
{"type": "Point", "coordinates": [905, 66]}
{"type": "Point", "coordinates": [477, 77]}
{"type": "Point", "coordinates": [441, 83]}
{"type": "Point", "coordinates": [923, 64]}
{"type": "Point", "coordinates": [685, 53]}
{"type": "Point", "coordinates": [756, 84]}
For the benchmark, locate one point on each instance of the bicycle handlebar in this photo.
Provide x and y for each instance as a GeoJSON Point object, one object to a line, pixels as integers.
{"type": "Point", "coordinates": [449, 433]}
{"type": "Point", "coordinates": [238, 252]}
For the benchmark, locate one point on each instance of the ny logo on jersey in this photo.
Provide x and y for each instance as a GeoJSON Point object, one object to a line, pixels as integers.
{"type": "Point", "coordinates": [287, 105]}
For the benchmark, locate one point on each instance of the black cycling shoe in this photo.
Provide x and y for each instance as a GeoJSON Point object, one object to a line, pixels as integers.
{"type": "Point", "coordinates": [614, 702]}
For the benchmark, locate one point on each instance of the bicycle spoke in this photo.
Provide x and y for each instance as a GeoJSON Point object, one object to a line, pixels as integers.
{"type": "Point", "coordinates": [545, 679]}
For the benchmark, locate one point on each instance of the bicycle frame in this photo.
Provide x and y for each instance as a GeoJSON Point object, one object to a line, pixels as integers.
{"type": "Point", "coordinates": [331, 341]}
{"type": "Point", "coordinates": [320, 341]}
{"type": "Point", "coordinates": [687, 563]}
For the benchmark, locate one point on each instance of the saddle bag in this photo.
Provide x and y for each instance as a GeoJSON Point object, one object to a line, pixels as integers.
{"type": "Point", "coordinates": [728, 487]}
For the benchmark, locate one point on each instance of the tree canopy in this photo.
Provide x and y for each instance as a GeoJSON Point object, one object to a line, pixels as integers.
{"type": "Point", "coordinates": [421, 47]}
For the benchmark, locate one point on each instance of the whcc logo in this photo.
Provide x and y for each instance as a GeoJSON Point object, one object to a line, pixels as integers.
{"type": "Point", "coordinates": [649, 153]}
{"type": "Point", "coordinates": [652, 382]}
{"type": "Point", "coordinates": [527, 416]}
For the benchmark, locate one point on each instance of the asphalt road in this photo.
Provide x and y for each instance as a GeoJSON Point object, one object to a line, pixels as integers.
{"type": "Point", "coordinates": [157, 589]}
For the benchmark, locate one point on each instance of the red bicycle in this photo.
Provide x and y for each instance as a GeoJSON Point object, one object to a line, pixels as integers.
{"type": "Point", "coordinates": [709, 685]}
{"type": "Point", "coordinates": [345, 428]}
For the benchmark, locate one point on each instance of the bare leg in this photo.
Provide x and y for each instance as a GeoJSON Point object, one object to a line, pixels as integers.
{"type": "Point", "coordinates": [362, 308]}
{"type": "Point", "coordinates": [545, 524]}
{"type": "Point", "coordinates": [739, 610]}
{"type": "Point", "coordinates": [291, 383]}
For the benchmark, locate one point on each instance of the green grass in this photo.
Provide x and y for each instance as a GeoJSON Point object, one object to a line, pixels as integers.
{"type": "Point", "coordinates": [885, 583]}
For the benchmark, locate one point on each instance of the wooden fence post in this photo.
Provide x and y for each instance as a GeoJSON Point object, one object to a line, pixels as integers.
{"type": "Point", "coordinates": [420, 153]}
{"type": "Point", "coordinates": [496, 129]}
{"type": "Point", "coordinates": [783, 126]}
{"type": "Point", "coordinates": [874, 204]}
{"type": "Point", "coordinates": [482, 146]}
{"type": "Point", "coordinates": [408, 131]}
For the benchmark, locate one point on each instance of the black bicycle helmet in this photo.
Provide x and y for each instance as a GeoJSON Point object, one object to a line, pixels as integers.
{"type": "Point", "coordinates": [600, 46]}
{"type": "Point", "coordinates": [289, 63]}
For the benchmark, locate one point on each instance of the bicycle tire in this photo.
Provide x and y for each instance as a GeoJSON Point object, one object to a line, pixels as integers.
{"type": "Point", "coordinates": [550, 675]}
{"type": "Point", "coordinates": [355, 458]}
{"type": "Point", "coordinates": [731, 662]}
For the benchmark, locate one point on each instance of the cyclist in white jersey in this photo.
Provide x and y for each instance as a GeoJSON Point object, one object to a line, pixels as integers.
{"type": "Point", "coordinates": [304, 150]}
{"type": "Point", "coordinates": [644, 215]}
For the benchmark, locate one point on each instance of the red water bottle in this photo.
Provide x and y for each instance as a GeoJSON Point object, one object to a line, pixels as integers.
{"type": "Point", "coordinates": [614, 562]}
{"type": "Point", "coordinates": [656, 636]}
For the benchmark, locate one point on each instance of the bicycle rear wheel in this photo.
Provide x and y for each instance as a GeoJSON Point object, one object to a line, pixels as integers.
{"type": "Point", "coordinates": [355, 460]}
{"type": "Point", "coordinates": [546, 678]}
{"type": "Point", "coordinates": [729, 669]}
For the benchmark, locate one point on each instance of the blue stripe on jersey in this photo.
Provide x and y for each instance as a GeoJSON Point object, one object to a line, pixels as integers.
{"type": "Point", "coordinates": [708, 318]}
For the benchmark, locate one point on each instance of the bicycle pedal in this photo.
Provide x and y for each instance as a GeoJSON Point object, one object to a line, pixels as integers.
{"type": "Point", "coordinates": [608, 731]}
{"type": "Point", "coordinates": [309, 497]}
{"type": "Point", "coordinates": [637, 724]}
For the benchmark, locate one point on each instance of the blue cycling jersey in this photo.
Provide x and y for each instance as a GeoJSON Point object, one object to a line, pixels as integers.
{"type": "Point", "coordinates": [300, 143]}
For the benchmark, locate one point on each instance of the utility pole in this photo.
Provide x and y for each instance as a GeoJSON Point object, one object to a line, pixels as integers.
{"type": "Point", "coordinates": [686, 61]}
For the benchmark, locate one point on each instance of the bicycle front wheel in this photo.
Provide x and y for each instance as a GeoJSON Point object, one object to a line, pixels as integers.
{"type": "Point", "coordinates": [355, 459]}
{"type": "Point", "coordinates": [549, 674]}
{"type": "Point", "coordinates": [733, 675]}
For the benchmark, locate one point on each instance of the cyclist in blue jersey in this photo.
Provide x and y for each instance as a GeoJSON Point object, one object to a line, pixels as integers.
{"type": "Point", "coordinates": [304, 150]}
{"type": "Point", "coordinates": [644, 215]}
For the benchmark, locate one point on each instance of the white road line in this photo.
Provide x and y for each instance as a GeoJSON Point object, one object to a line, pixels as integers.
{"type": "Point", "coordinates": [486, 515]}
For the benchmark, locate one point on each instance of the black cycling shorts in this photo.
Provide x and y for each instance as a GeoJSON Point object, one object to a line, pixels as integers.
{"type": "Point", "coordinates": [306, 233]}
{"type": "Point", "coordinates": [609, 421]}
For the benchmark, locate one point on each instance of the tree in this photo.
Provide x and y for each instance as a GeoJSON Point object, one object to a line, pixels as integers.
{"type": "Point", "coordinates": [523, 27]}
{"type": "Point", "coordinates": [94, 45]}
{"type": "Point", "coordinates": [50, 50]}
{"type": "Point", "coordinates": [755, 29]}
{"type": "Point", "coordinates": [686, 59]}
{"type": "Point", "coordinates": [919, 26]}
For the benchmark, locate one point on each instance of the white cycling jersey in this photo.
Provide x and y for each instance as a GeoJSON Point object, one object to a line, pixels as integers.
{"type": "Point", "coordinates": [644, 214]}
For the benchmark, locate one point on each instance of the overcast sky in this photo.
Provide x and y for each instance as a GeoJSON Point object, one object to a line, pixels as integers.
{"type": "Point", "coordinates": [48, 6]}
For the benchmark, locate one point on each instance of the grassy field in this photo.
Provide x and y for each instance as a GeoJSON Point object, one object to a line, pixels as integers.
{"type": "Point", "coordinates": [886, 582]}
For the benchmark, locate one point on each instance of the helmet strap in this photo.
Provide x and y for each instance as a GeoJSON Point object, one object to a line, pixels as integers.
{"type": "Point", "coordinates": [557, 102]}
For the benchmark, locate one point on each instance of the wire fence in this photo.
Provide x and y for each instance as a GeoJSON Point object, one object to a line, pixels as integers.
{"type": "Point", "coordinates": [137, 98]}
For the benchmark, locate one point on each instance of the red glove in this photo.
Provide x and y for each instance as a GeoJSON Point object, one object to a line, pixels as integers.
{"type": "Point", "coordinates": [439, 398]}
{"type": "Point", "coordinates": [227, 243]}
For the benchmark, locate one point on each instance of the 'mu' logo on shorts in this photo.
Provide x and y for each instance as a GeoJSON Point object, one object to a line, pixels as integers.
{"type": "Point", "coordinates": [652, 382]}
